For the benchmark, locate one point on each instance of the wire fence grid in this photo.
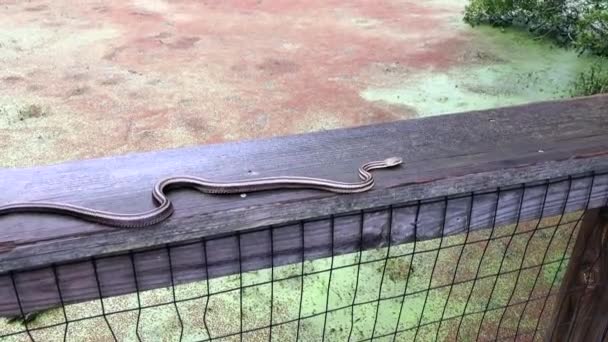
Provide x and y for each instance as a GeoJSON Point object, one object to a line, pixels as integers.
{"type": "Point", "coordinates": [492, 284]}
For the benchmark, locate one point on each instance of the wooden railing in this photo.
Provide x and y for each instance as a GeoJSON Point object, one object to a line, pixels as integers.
{"type": "Point", "coordinates": [487, 168]}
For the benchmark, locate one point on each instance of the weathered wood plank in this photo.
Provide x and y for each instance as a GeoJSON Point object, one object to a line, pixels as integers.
{"type": "Point", "coordinates": [218, 257]}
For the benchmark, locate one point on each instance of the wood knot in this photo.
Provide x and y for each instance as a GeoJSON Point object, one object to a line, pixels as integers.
{"type": "Point", "coordinates": [7, 246]}
{"type": "Point", "coordinates": [590, 278]}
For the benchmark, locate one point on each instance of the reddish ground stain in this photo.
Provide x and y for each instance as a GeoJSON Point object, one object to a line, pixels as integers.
{"type": "Point", "coordinates": [37, 8]}
{"type": "Point", "coordinates": [183, 43]}
{"type": "Point", "coordinates": [12, 79]}
{"type": "Point", "coordinates": [237, 70]}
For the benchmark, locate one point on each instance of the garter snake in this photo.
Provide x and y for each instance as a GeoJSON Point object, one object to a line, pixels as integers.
{"type": "Point", "coordinates": [164, 207]}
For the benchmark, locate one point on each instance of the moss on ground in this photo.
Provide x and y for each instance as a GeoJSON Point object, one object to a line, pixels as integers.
{"type": "Point", "coordinates": [447, 267]}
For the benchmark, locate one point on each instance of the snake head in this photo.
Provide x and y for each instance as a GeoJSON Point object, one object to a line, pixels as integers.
{"type": "Point", "coordinates": [393, 161]}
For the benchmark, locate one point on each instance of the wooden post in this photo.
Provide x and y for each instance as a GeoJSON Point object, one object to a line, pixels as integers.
{"type": "Point", "coordinates": [582, 304]}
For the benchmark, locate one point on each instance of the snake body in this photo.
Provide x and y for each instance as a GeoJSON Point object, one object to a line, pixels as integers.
{"type": "Point", "coordinates": [164, 207]}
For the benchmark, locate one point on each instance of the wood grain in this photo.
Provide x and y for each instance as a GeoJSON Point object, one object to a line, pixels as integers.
{"type": "Point", "coordinates": [444, 156]}
{"type": "Point", "coordinates": [580, 314]}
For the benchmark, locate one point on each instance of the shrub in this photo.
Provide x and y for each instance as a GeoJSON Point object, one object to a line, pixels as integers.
{"type": "Point", "coordinates": [590, 82]}
{"type": "Point", "coordinates": [582, 24]}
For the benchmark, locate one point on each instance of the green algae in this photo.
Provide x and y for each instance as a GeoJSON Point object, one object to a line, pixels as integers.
{"type": "Point", "coordinates": [436, 290]}
{"type": "Point", "coordinates": [506, 67]}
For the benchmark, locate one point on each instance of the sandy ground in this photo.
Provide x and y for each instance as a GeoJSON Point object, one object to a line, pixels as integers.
{"type": "Point", "coordinates": [96, 78]}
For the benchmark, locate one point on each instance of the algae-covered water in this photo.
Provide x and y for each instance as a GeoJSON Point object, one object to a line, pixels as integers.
{"type": "Point", "coordinates": [512, 68]}
{"type": "Point", "coordinates": [487, 272]}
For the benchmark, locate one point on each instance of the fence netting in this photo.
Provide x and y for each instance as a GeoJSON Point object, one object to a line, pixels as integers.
{"type": "Point", "coordinates": [490, 283]}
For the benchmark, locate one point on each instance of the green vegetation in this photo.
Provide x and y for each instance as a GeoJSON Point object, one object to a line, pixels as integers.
{"type": "Point", "coordinates": [578, 24]}
{"type": "Point", "coordinates": [582, 24]}
{"type": "Point", "coordinates": [593, 81]}
{"type": "Point", "coordinates": [592, 27]}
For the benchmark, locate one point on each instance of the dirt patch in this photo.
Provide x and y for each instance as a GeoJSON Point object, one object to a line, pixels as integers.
{"type": "Point", "coordinates": [274, 66]}
{"type": "Point", "coordinates": [183, 43]}
{"type": "Point", "coordinates": [398, 269]}
{"type": "Point", "coordinates": [78, 91]}
{"type": "Point", "coordinates": [37, 8]}
{"type": "Point", "coordinates": [32, 112]}
{"type": "Point", "coordinates": [12, 79]}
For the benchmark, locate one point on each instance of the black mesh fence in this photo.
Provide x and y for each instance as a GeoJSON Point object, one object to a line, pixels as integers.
{"type": "Point", "coordinates": [495, 283]}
